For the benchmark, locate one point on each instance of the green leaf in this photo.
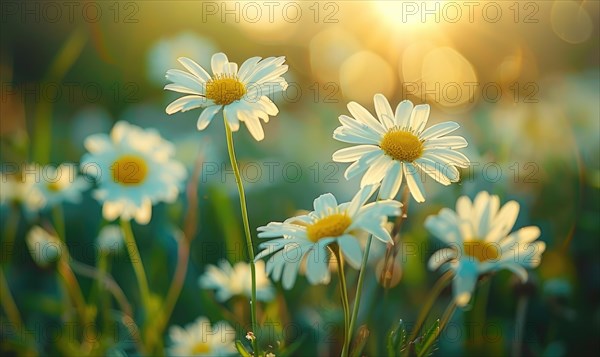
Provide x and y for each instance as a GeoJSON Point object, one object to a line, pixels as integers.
{"type": "Point", "coordinates": [396, 339]}
{"type": "Point", "coordinates": [241, 349]}
{"type": "Point", "coordinates": [425, 343]}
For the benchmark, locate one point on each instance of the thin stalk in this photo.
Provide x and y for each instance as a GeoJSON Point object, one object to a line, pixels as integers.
{"type": "Point", "coordinates": [444, 321]}
{"type": "Point", "coordinates": [10, 233]}
{"type": "Point", "coordinates": [519, 325]}
{"type": "Point", "coordinates": [240, 187]}
{"type": "Point", "coordinates": [9, 305]}
{"type": "Point", "coordinates": [58, 217]}
{"type": "Point", "coordinates": [359, 286]}
{"type": "Point", "coordinates": [136, 262]}
{"type": "Point", "coordinates": [447, 316]}
{"type": "Point", "coordinates": [438, 287]}
{"type": "Point", "coordinates": [343, 292]}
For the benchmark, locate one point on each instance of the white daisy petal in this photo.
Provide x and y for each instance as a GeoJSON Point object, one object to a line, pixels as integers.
{"type": "Point", "coordinates": [363, 115]}
{"type": "Point", "coordinates": [351, 249]}
{"type": "Point", "coordinates": [384, 111]}
{"type": "Point", "coordinates": [439, 129]}
{"type": "Point", "coordinates": [185, 103]}
{"type": "Point", "coordinates": [316, 265]}
{"type": "Point", "coordinates": [440, 257]}
{"type": "Point", "coordinates": [185, 79]}
{"type": "Point", "coordinates": [413, 180]}
{"type": "Point", "coordinates": [376, 170]}
{"type": "Point", "coordinates": [419, 117]}
{"type": "Point", "coordinates": [464, 281]}
{"type": "Point", "coordinates": [453, 142]}
{"type": "Point", "coordinates": [194, 68]}
{"type": "Point", "coordinates": [325, 204]}
{"type": "Point", "coordinates": [218, 63]}
{"type": "Point", "coordinates": [206, 116]}
{"type": "Point", "coordinates": [392, 181]}
{"type": "Point", "coordinates": [402, 114]}
{"type": "Point", "coordinates": [353, 153]}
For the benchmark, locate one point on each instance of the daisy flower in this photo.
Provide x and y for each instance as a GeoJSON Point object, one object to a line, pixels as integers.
{"type": "Point", "coordinates": [396, 145]}
{"type": "Point", "coordinates": [20, 189]}
{"type": "Point", "coordinates": [478, 233]}
{"type": "Point", "coordinates": [110, 239]}
{"type": "Point", "coordinates": [307, 236]}
{"type": "Point", "coordinates": [61, 184]}
{"type": "Point", "coordinates": [240, 93]}
{"type": "Point", "coordinates": [44, 247]}
{"type": "Point", "coordinates": [201, 339]}
{"type": "Point", "coordinates": [236, 280]}
{"type": "Point", "coordinates": [134, 170]}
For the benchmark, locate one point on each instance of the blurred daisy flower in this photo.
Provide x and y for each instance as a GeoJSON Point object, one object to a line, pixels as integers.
{"type": "Point", "coordinates": [61, 184]}
{"type": "Point", "coordinates": [110, 239]}
{"type": "Point", "coordinates": [236, 280]}
{"type": "Point", "coordinates": [44, 247]}
{"type": "Point", "coordinates": [201, 339]}
{"type": "Point", "coordinates": [163, 53]}
{"type": "Point", "coordinates": [478, 233]}
{"type": "Point", "coordinates": [309, 235]}
{"type": "Point", "coordinates": [396, 144]}
{"type": "Point", "coordinates": [20, 189]}
{"type": "Point", "coordinates": [240, 93]}
{"type": "Point", "coordinates": [134, 169]}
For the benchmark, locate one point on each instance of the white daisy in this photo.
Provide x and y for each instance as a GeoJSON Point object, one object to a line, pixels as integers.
{"type": "Point", "coordinates": [479, 235]}
{"type": "Point", "coordinates": [20, 189]}
{"type": "Point", "coordinates": [242, 94]}
{"type": "Point", "coordinates": [110, 239]}
{"type": "Point", "coordinates": [309, 235]}
{"type": "Point", "coordinates": [396, 144]}
{"type": "Point", "coordinates": [61, 184]}
{"type": "Point", "coordinates": [44, 247]}
{"type": "Point", "coordinates": [201, 339]}
{"type": "Point", "coordinates": [134, 170]}
{"type": "Point", "coordinates": [236, 280]}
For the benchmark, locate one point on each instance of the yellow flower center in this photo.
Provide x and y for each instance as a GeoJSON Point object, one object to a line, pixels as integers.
{"type": "Point", "coordinates": [223, 89]}
{"type": "Point", "coordinates": [200, 348]}
{"type": "Point", "coordinates": [482, 251]}
{"type": "Point", "coordinates": [401, 145]}
{"type": "Point", "coordinates": [53, 187]}
{"type": "Point", "coordinates": [331, 226]}
{"type": "Point", "coordinates": [129, 170]}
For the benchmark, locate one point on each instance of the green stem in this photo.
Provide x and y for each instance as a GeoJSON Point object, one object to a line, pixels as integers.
{"type": "Point", "coordinates": [240, 187]}
{"type": "Point", "coordinates": [359, 286]}
{"type": "Point", "coordinates": [10, 233]}
{"type": "Point", "coordinates": [343, 292]}
{"type": "Point", "coordinates": [439, 286]}
{"type": "Point", "coordinates": [444, 321]}
{"type": "Point", "coordinates": [519, 325]}
{"type": "Point", "coordinates": [59, 221]}
{"type": "Point", "coordinates": [136, 261]}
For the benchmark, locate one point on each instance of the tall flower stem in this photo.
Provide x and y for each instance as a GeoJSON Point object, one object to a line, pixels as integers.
{"type": "Point", "coordinates": [343, 291]}
{"type": "Point", "coordinates": [520, 325]}
{"type": "Point", "coordinates": [58, 217]}
{"type": "Point", "coordinates": [136, 261]}
{"type": "Point", "coordinates": [440, 284]}
{"type": "Point", "coordinates": [240, 187]}
{"type": "Point", "coordinates": [443, 322]}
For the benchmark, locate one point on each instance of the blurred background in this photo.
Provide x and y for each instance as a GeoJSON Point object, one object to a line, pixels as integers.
{"type": "Point", "coordinates": [521, 77]}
